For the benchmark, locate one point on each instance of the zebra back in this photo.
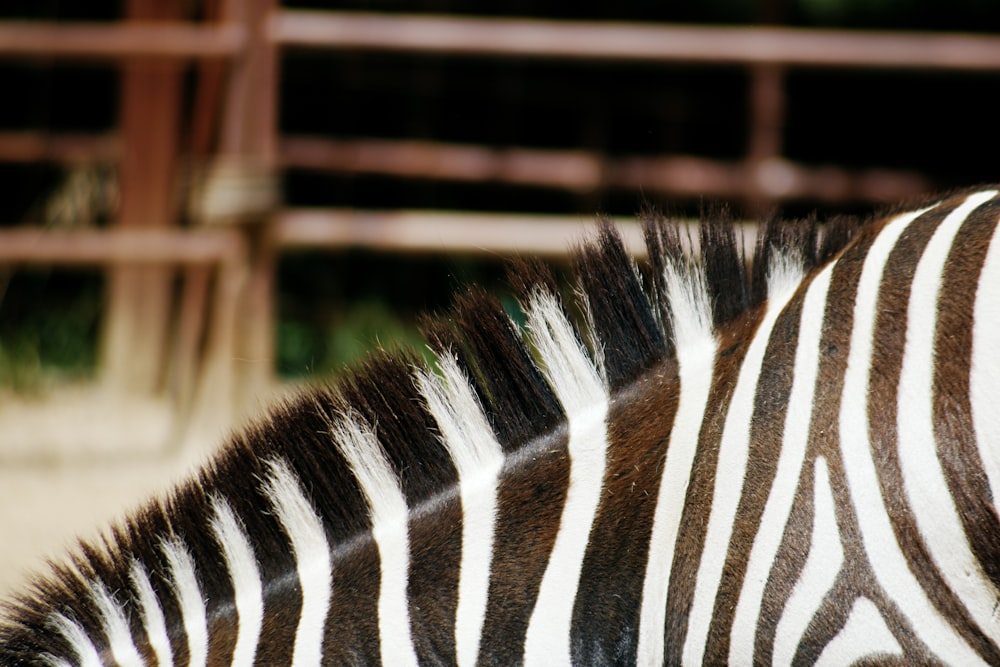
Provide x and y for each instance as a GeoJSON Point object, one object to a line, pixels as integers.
{"type": "Point", "coordinates": [674, 464]}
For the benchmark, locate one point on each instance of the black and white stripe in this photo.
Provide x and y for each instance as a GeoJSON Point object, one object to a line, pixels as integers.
{"type": "Point", "coordinates": [781, 459]}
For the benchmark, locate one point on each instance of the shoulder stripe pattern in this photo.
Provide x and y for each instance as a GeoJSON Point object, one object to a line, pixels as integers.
{"type": "Point", "coordinates": [691, 315]}
{"type": "Point", "coordinates": [926, 488]}
{"type": "Point", "coordinates": [888, 562]}
{"type": "Point", "coordinates": [791, 458]}
{"type": "Point", "coordinates": [984, 387]}
{"type": "Point", "coordinates": [863, 638]}
{"type": "Point", "coordinates": [826, 555]}
{"type": "Point", "coordinates": [784, 277]}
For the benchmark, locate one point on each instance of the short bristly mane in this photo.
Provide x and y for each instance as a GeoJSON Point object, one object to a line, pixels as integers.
{"type": "Point", "coordinates": [375, 425]}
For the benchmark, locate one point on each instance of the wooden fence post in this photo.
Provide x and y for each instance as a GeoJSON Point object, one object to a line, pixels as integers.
{"type": "Point", "coordinates": [140, 298]}
{"type": "Point", "coordinates": [240, 188]}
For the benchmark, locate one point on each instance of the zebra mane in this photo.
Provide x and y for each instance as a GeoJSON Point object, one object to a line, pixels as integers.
{"type": "Point", "coordinates": [626, 317]}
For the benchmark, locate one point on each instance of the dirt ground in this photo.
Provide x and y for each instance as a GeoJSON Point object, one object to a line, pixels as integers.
{"type": "Point", "coordinates": [76, 459]}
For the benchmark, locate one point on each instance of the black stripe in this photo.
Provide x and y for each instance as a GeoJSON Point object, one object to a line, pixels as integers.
{"type": "Point", "coordinates": [824, 438]}
{"type": "Point", "coordinates": [725, 269]}
{"type": "Point", "coordinates": [435, 564]}
{"type": "Point", "coordinates": [886, 366]}
{"type": "Point", "coordinates": [621, 315]}
{"type": "Point", "coordinates": [351, 634]}
{"type": "Point", "coordinates": [697, 505]}
{"type": "Point", "coordinates": [531, 495]}
{"type": "Point", "coordinates": [954, 431]}
{"type": "Point", "coordinates": [766, 432]}
{"type": "Point", "coordinates": [609, 598]}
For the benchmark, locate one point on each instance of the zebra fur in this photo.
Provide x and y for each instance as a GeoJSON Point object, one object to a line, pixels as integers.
{"type": "Point", "coordinates": [779, 454]}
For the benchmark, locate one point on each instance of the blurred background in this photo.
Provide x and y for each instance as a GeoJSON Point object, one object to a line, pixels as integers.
{"type": "Point", "coordinates": [206, 203]}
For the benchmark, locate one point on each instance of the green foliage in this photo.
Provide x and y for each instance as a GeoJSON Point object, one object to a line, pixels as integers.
{"type": "Point", "coordinates": [358, 329]}
{"type": "Point", "coordinates": [305, 349]}
{"type": "Point", "coordinates": [48, 329]}
{"type": "Point", "coordinates": [333, 308]}
{"type": "Point", "coordinates": [20, 364]}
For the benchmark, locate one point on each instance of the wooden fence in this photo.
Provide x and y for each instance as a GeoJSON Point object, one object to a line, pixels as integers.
{"type": "Point", "coordinates": [235, 51]}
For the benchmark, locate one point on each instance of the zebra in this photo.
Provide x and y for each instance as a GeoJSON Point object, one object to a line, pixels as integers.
{"type": "Point", "coordinates": [778, 454]}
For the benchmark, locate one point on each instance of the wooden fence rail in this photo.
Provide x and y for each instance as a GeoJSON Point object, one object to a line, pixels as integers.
{"type": "Point", "coordinates": [748, 46]}
{"type": "Point", "coordinates": [100, 247]}
{"type": "Point", "coordinates": [119, 41]}
{"type": "Point", "coordinates": [583, 171]}
{"type": "Point", "coordinates": [237, 49]}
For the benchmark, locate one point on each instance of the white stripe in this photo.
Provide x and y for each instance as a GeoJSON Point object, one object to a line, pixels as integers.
{"type": "Point", "coordinates": [784, 276]}
{"type": "Point", "coordinates": [466, 431]}
{"type": "Point", "coordinates": [864, 638]}
{"type": "Point", "coordinates": [389, 516]}
{"type": "Point", "coordinates": [574, 378]}
{"type": "Point", "coordinates": [791, 458]}
{"type": "Point", "coordinates": [689, 304]}
{"type": "Point", "coordinates": [478, 457]}
{"type": "Point", "coordinates": [192, 605]}
{"type": "Point", "coordinates": [691, 320]}
{"type": "Point", "coordinates": [884, 552]}
{"type": "Point", "coordinates": [152, 615]}
{"type": "Point", "coordinates": [984, 390]}
{"type": "Point", "coordinates": [312, 558]}
{"type": "Point", "coordinates": [86, 653]}
{"type": "Point", "coordinates": [245, 576]}
{"type": "Point", "coordinates": [115, 626]}
{"type": "Point", "coordinates": [823, 563]}
{"type": "Point", "coordinates": [578, 386]}
{"type": "Point", "coordinates": [926, 487]}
